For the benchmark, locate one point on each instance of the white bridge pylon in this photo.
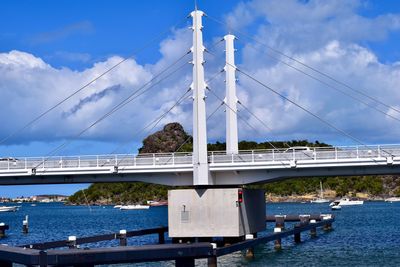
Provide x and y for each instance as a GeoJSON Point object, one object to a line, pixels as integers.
{"type": "Point", "coordinates": [201, 173]}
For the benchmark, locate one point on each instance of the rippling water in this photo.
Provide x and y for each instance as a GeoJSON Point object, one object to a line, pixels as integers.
{"type": "Point", "coordinates": [367, 235]}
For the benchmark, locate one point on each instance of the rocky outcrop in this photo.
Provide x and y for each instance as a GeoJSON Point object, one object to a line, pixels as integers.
{"type": "Point", "coordinates": [169, 139]}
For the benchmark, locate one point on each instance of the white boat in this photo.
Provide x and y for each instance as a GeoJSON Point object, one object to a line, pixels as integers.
{"type": "Point", "coordinates": [346, 202]}
{"type": "Point", "coordinates": [8, 208]}
{"type": "Point", "coordinates": [336, 207]}
{"type": "Point", "coordinates": [321, 198]}
{"type": "Point", "coordinates": [134, 207]}
{"type": "Point", "coordinates": [392, 199]}
{"type": "Point", "coordinates": [117, 206]}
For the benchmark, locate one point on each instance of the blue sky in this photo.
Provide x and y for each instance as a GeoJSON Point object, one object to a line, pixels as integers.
{"type": "Point", "coordinates": [48, 49]}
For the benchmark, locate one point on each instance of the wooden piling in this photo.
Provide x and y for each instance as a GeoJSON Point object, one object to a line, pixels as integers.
{"type": "Point", "coordinates": [212, 262]}
{"type": "Point", "coordinates": [250, 250]}
{"type": "Point", "coordinates": [6, 264]}
{"type": "Point", "coordinates": [297, 236]}
{"type": "Point", "coordinates": [304, 219]}
{"type": "Point", "coordinates": [161, 237]}
{"type": "Point", "coordinates": [122, 238]}
{"type": "Point", "coordinates": [3, 228]}
{"type": "Point", "coordinates": [278, 242]}
{"type": "Point", "coordinates": [280, 221]}
{"type": "Point", "coordinates": [71, 242]}
{"type": "Point", "coordinates": [313, 231]}
{"type": "Point", "coordinates": [25, 225]}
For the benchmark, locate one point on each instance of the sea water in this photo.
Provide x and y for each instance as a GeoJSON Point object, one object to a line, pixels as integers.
{"type": "Point", "coordinates": [367, 235]}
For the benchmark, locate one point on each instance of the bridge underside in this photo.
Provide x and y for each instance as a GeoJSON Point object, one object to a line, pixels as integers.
{"type": "Point", "coordinates": [219, 177]}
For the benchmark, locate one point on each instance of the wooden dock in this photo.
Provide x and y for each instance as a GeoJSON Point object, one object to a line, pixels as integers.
{"type": "Point", "coordinates": [184, 254]}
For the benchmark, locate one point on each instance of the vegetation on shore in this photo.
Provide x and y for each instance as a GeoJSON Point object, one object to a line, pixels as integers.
{"type": "Point", "coordinates": [173, 138]}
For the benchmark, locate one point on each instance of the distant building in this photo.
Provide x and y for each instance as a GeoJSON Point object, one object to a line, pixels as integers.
{"type": "Point", "coordinates": [49, 198]}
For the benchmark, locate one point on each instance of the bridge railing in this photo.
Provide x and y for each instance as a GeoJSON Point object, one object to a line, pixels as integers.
{"type": "Point", "coordinates": [311, 153]}
{"type": "Point", "coordinates": [183, 158]}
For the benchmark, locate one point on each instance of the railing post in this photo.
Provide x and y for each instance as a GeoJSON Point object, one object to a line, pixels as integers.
{"type": "Point", "coordinates": [134, 160]}
{"type": "Point", "coordinates": [212, 156]}
{"type": "Point", "coordinates": [97, 161]}
{"type": "Point", "coordinates": [79, 162]}
{"type": "Point", "coordinates": [154, 159]}
{"type": "Point", "coordinates": [8, 164]}
{"type": "Point", "coordinates": [26, 164]}
{"type": "Point", "coordinates": [273, 154]}
{"type": "Point", "coordinates": [61, 162]}
{"type": "Point", "coordinates": [379, 151]}
{"type": "Point", "coordinates": [173, 158]}
{"type": "Point", "coordinates": [294, 154]}
{"type": "Point", "coordinates": [336, 157]}
{"type": "Point", "coordinates": [252, 156]}
{"type": "Point", "coordinates": [43, 163]}
{"type": "Point", "coordinates": [116, 160]}
{"type": "Point", "coordinates": [357, 152]}
{"type": "Point", "coordinates": [232, 157]}
{"type": "Point", "coordinates": [315, 154]}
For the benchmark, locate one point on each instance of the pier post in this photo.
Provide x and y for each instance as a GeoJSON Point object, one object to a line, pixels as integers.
{"type": "Point", "coordinates": [25, 225]}
{"type": "Point", "coordinates": [6, 264]}
{"type": "Point", "coordinates": [327, 226]}
{"type": "Point", "coordinates": [304, 219]}
{"type": "Point", "coordinates": [212, 261]}
{"type": "Point", "coordinates": [280, 221]}
{"type": "Point", "coordinates": [250, 250]}
{"type": "Point", "coordinates": [122, 238]}
{"type": "Point", "coordinates": [42, 258]}
{"type": "Point", "coordinates": [313, 231]}
{"type": "Point", "coordinates": [297, 235]}
{"type": "Point", "coordinates": [3, 228]}
{"type": "Point", "coordinates": [71, 242]}
{"type": "Point", "coordinates": [161, 237]}
{"type": "Point", "coordinates": [185, 262]}
{"type": "Point", "coordinates": [278, 242]}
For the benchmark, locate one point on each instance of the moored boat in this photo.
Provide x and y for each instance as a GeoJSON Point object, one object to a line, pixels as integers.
{"type": "Point", "coordinates": [152, 203]}
{"type": "Point", "coordinates": [321, 198]}
{"type": "Point", "coordinates": [134, 207]}
{"type": "Point", "coordinates": [392, 199]}
{"type": "Point", "coordinates": [8, 208]}
{"type": "Point", "coordinates": [336, 207]}
{"type": "Point", "coordinates": [346, 202]}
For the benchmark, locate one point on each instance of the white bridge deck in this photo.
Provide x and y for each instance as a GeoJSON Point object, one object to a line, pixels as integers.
{"type": "Point", "coordinates": [245, 167]}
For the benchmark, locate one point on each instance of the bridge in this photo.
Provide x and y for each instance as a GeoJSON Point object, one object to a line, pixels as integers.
{"type": "Point", "coordinates": [203, 168]}
{"type": "Point", "coordinates": [244, 167]}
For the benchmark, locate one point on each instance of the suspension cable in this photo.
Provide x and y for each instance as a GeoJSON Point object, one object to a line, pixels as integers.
{"type": "Point", "coordinates": [329, 85]}
{"type": "Point", "coordinates": [139, 50]}
{"type": "Point", "coordinates": [121, 104]}
{"type": "Point", "coordinates": [330, 77]}
{"type": "Point", "coordinates": [208, 81]}
{"type": "Point", "coordinates": [158, 120]}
